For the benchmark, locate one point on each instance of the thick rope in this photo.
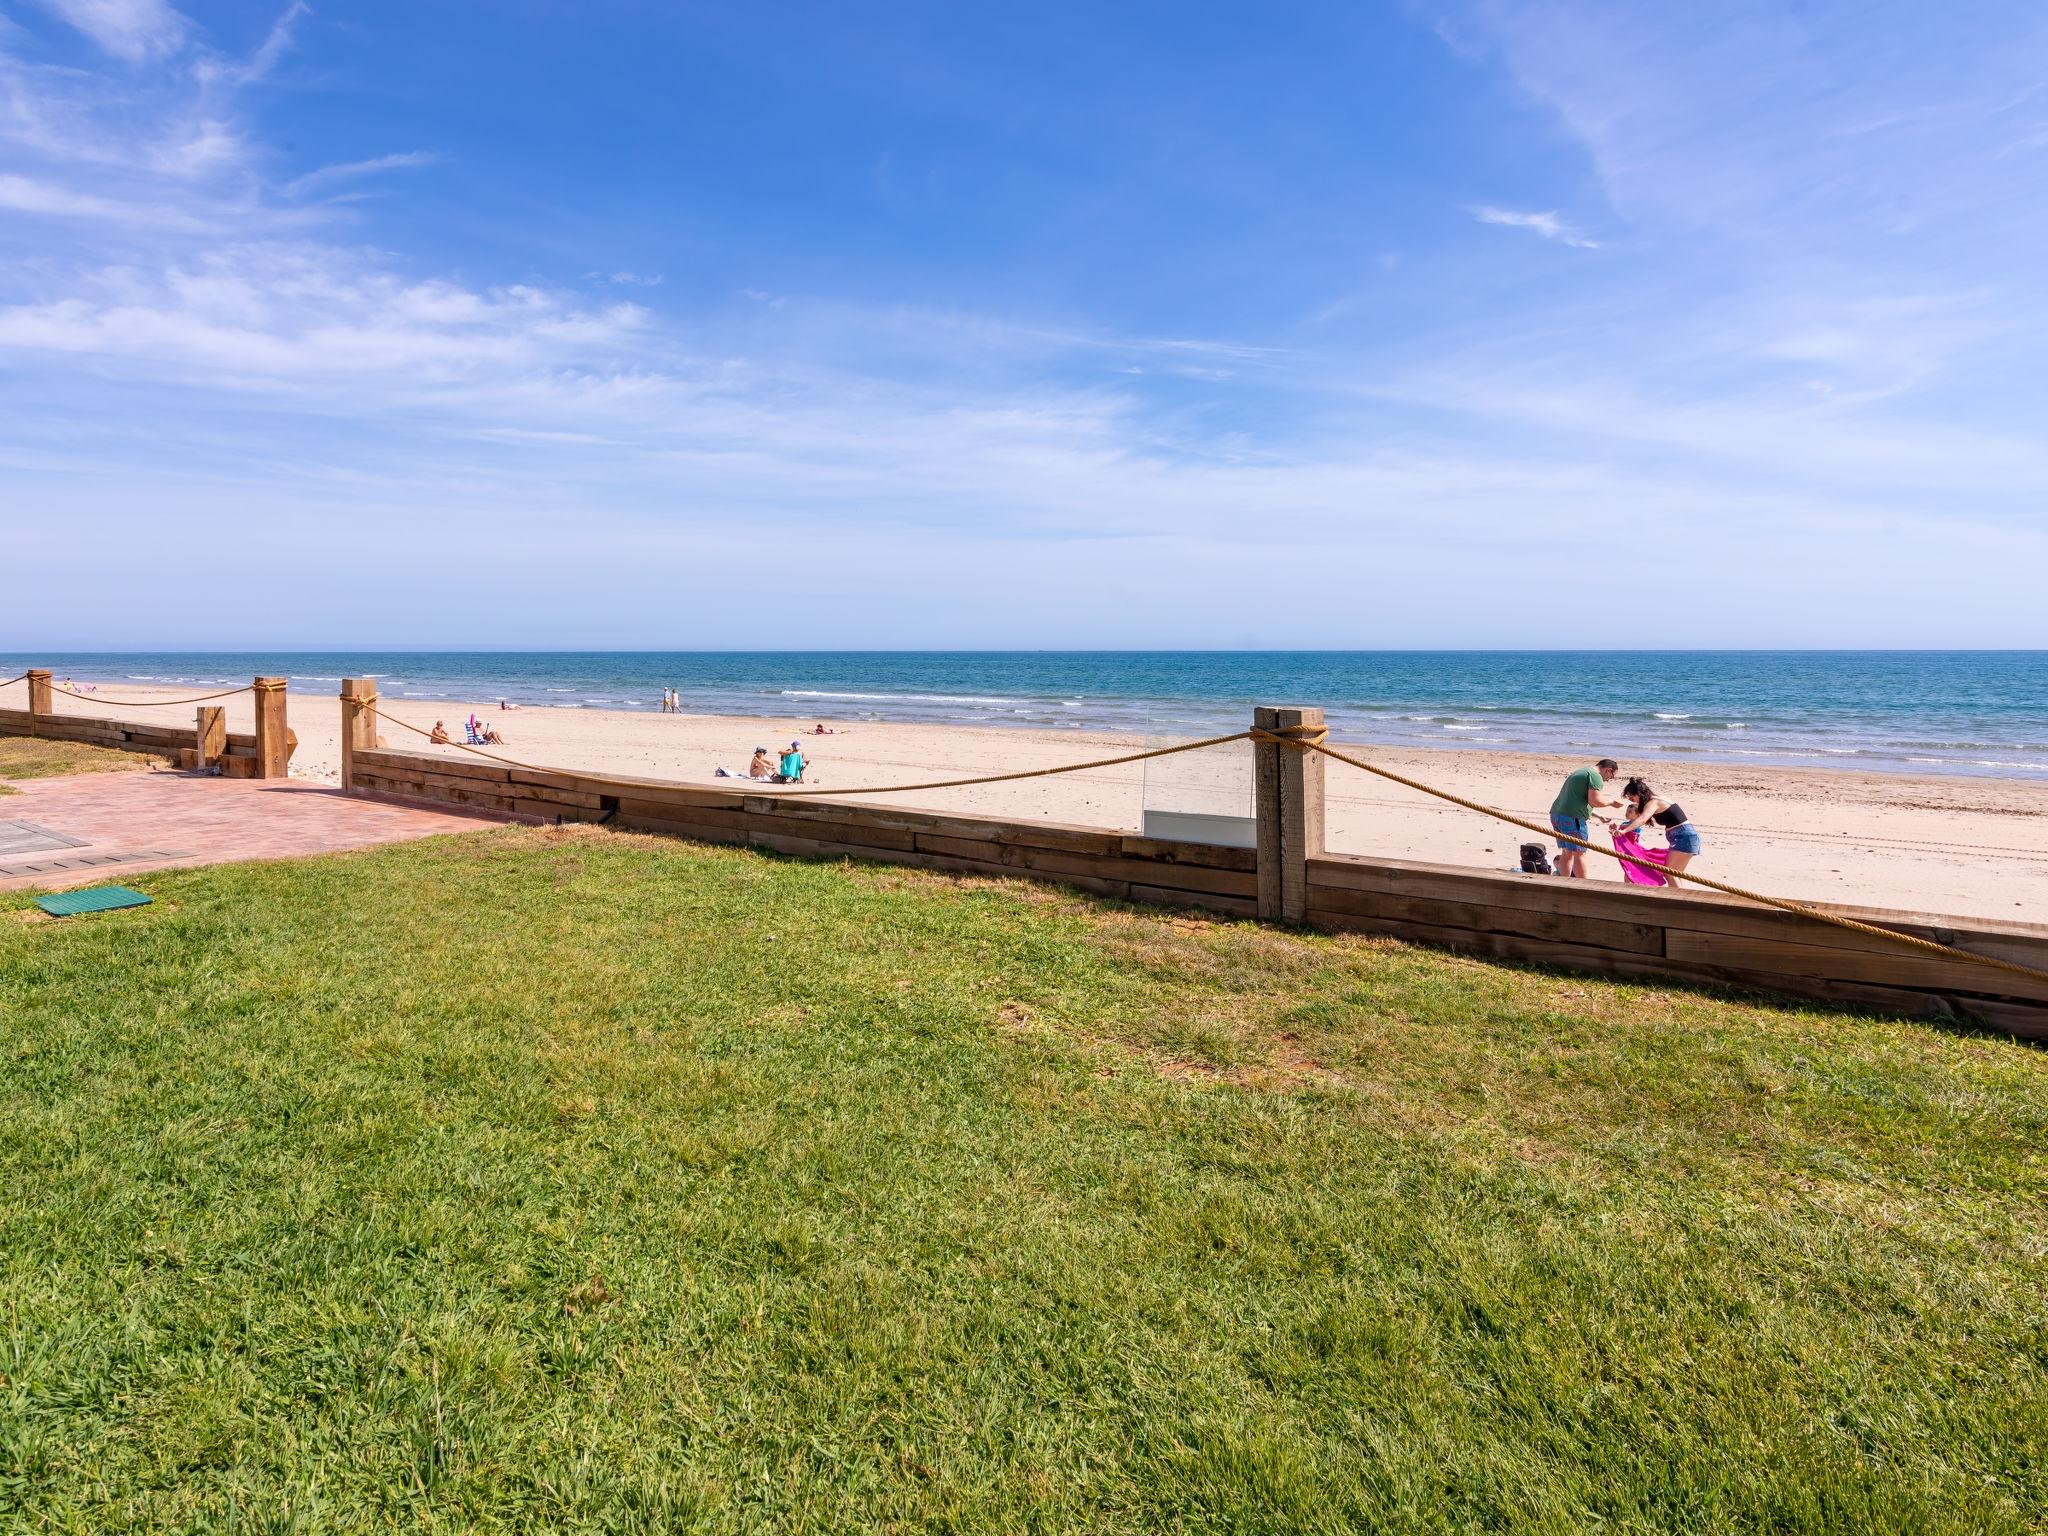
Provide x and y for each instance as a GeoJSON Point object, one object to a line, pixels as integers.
{"type": "Point", "coordinates": [1313, 739]}
{"type": "Point", "coordinates": [13, 680]}
{"type": "Point", "coordinates": [94, 698]}
{"type": "Point", "coordinates": [879, 789]}
{"type": "Point", "coordinates": [511, 762]}
{"type": "Point", "coordinates": [1028, 773]}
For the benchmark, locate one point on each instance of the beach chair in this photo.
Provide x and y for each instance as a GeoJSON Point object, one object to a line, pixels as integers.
{"type": "Point", "coordinates": [471, 736]}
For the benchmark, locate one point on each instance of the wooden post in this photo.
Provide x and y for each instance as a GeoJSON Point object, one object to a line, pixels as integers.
{"type": "Point", "coordinates": [40, 701]}
{"type": "Point", "coordinates": [212, 736]}
{"type": "Point", "coordinates": [273, 743]}
{"type": "Point", "coordinates": [358, 725]}
{"type": "Point", "coordinates": [1288, 800]}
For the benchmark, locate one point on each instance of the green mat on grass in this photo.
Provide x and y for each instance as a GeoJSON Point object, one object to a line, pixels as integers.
{"type": "Point", "coordinates": [104, 898]}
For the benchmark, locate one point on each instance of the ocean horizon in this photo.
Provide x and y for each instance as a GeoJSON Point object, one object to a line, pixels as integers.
{"type": "Point", "coordinates": [1972, 712]}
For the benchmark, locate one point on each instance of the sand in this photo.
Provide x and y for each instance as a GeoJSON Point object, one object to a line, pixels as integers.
{"type": "Point", "coordinates": [1962, 845]}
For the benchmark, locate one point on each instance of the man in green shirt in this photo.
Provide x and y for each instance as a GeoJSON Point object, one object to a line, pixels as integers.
{"type": "Point", "coordinates": [1572, 809]}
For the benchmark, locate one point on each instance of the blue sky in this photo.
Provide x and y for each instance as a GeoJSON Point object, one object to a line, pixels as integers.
{"type": "Point", "coordinates": [1482, 322]}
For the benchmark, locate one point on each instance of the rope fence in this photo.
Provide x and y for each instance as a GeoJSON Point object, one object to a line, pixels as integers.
{"type": "Point", "coordinates": [205, 698]}
{"type": "Point", "coordinates": [1306, 738]}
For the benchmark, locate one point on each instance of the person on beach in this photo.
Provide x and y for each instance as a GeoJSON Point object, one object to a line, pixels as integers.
{"type": "Point", "coordinates": [1643, 807]}
{"type": "Point", "coordinates": [762, 767]}
{"type": "Point", "coordinates": [439, 735]}
{"type": "Point", "coordinates": [491, 737]}
{"type": "Point", "coordinates": [792, 767]}
{"type": "Point", "coordinates": [1573, 809]}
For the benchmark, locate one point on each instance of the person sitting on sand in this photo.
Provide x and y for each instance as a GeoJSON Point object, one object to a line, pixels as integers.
{"type": "Point", "coordinates": [439, 735]}
{"type": "Point", "coordinates": [1571, 809]}
{"type": "Point", "coordinates": [506, 704]}
{"type": "Point", "coordinates": [792, 770]}
{"type": "Point", "coordinates": [1644, 806]}
{"type": "Point", "coordinates": [762, 767]}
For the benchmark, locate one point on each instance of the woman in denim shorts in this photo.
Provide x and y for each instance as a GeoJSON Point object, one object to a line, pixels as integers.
{"type": "Point", "coordinates": [1646, 807]}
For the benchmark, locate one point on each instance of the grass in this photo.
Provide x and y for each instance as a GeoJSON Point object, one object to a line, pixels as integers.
{"type": "Point", "coordinates": [25, 757]}
{"type": "Point", "coordinates": [557, 1180]}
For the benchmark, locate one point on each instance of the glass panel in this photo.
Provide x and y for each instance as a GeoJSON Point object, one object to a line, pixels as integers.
{"type": "Point", "coordinates": [1198, 797]}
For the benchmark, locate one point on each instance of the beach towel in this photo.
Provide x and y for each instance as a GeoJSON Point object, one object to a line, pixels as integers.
{"type": "Point", "coordinates": [1630, 844]}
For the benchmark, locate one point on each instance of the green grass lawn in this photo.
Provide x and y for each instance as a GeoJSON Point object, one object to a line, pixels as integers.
{"type": "Point", "coordinates": [560, 1180]}
{"type": "Point", "coordinates": [24, 757]}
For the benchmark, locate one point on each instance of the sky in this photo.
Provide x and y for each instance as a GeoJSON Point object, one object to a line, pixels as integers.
{"type": "Point", "coordinates": [1440, 323]}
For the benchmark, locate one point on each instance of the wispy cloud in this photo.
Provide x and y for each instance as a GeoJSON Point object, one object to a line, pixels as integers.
{"type": "Point", "coordinates": [1548, 225]}
{"type": "Point", "coordinates": [136, 31]}
{"type": "Point", "coordinates": [354, 170]}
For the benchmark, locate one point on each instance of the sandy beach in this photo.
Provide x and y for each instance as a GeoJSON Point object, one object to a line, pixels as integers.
{"type": "Point", "coordinates": [1963, 845]}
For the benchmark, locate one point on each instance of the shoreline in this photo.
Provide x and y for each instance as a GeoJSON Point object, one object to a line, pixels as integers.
{"type": "Point", "coordinates": [1982, 715]}
{"type": "Point", "coordinates": [1963, 844]}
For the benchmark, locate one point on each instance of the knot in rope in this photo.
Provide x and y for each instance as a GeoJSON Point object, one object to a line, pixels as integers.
{"type": "Point", "coordinates": [1302, 738]}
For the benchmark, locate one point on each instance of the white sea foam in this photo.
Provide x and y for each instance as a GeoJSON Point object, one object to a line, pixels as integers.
{"type": "Point", "coordinates": [1674, 717]}
{"type": "Point", "coordinates": [897, 698]}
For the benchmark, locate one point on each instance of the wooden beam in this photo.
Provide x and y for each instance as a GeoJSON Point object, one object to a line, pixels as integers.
{"type": "Point", "coordinates": [358, 725]}
{"type": "Point", "coordinates": [273, 748]}
{"type": "Point", "coordinates": [39, 700]}
{"type": "Point", "coordinates": [1288, 802]}
{"type": "Point", "coordinates": [211, 735]}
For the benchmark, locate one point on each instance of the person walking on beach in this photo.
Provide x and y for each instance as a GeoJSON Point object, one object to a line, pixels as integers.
{"type": "Point", "coordinates": [1573, 808]}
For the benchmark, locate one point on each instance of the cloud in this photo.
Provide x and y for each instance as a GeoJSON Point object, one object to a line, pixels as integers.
{"type": "Point", "coordinates": [20, 194]}
{"type": "Point", "coordinates": [274, 315]}
{"type": "Point", "coordinates": [1548, 225]}
{"type": "Point", "coordinates": [354, 170]}
{"type": "Point", "coordinates": [137, 31]}
{"type": "Point", "coordinates": [260, 63]}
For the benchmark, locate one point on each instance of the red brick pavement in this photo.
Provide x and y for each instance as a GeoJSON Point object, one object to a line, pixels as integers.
{"type": "Point", "coordinates": [107, 825]}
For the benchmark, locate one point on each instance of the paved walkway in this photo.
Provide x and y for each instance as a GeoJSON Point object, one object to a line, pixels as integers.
{"type": "Point", "coordinates": [93, 826]}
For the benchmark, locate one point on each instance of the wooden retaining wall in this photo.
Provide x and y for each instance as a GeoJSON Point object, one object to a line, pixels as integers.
{"type": "Point", "coordinates": [1597, 926]}
{"type": "Point", "coordinates": [1090, 858]}
{"type": "Point", "coordinates": [124, 735]}
{"type": "Point", "coordinates": [1631, 931]}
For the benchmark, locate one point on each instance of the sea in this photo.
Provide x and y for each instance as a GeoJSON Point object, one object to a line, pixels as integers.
{"type": "Point", "coordinates": [1965, 712]}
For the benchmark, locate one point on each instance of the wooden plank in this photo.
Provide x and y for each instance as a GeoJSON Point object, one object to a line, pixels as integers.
{"type": "Point", "coordinates": [983, 850]}
{"type": "Point", "coordinates": [567, 799]}
{"type": "Point", "coordinates": [423, 762]}
{"type": "Point", "coordinates": [1114, 869]}
{"type": "Point", "coordinates": [1200, 855]}
{"type": "Point", "coordinates": [2024, 1020]}
{"type": "Point", "coordinates": [551, 810]}
{"type": "Point", "coordinates": [1235, 906]}
{"type": "Point", "coordinates": [1034, 834]}
{"type": "Point", "coordinates": [635, 810]}
{"type": "Point", "coordinates": [1637, 938]}
{"type": "Point", "coordinates": [1698, 911]}
{"type": "Point", "coordinates": [924, 858]}
{"type": "Point", "coordinates": [1900, 967]}
{"type": "Point", "coordinates": [696, 832]}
